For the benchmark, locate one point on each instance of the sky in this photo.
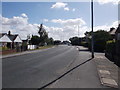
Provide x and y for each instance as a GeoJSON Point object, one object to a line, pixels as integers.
{"type": "Point", "coordinates": [61, 20]}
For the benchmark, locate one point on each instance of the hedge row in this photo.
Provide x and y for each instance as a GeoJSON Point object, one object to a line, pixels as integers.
{"type": "Point", "coordinates": [110, 51]}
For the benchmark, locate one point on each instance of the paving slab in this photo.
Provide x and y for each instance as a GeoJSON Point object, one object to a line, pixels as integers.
{"type": "Point", "coordinates": [109, 82]}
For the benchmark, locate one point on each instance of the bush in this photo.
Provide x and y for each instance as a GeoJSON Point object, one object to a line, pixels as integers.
{"type": "Point", "coordinates": [110, 50]}
{"type": "Point", "coordinates": [85, 44]}
{"type": "Point", "coordinates": [110, 46]}
{"type": "Point", "coordinates": [100, 37]}
{"type": "Point", "coordinates": [5, 48]}
{"type": "Point", "coordinates": [99, 45]}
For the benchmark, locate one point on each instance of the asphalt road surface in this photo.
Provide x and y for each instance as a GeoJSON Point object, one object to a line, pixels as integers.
{"type": "Point", "coordinates": [35, 70]}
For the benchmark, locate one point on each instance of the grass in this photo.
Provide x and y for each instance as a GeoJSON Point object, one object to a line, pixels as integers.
{"type": "Point", "coordinates": [3, 48]}
{"type": "Point", "coordinates": [0, 48]}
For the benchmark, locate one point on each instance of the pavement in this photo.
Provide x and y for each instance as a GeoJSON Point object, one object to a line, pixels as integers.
{"type": "Point", "coordinates": [84, 76]}
{"type": "Point", "coordinates": [107, 70]}
{"type": "Point", "coordinates": [83, 73]}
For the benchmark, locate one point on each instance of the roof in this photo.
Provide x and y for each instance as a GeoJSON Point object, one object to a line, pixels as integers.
{"type": "Point", "coordinates": [5, 38]}
{"type": "Point", "coordinates": [2, 34]}
{"type": "Point", "coordinates": [118, 29]}
{"type": "Point", "coordinates": [112, 32]}
{"type": "Point", "coordinates": [18, 39]}
{"type": "Point", "coordinates": [12, 37]}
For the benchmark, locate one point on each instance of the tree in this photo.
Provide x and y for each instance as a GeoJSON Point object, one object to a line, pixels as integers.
{"type": "Point", "coordinates": [43, 35]}
{"type": "Point", "coordinates": [50, 41]}
{"type": "Point", "coordinates": [57, 42]}
{"type": "Point", "coordinates": [100, 38]}
{"type": "Point", "coordinates": [75, 40]}
{"type": "Point", "coordinates": [35, 40]}
{"type": "Point", "coordinates": [65, 42]}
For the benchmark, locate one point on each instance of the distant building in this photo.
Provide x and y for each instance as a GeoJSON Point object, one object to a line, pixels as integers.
{"type": "Point", "coordinates": [9, 40]}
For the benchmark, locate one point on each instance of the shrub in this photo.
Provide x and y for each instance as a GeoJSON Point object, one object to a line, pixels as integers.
{"type": "Point", "coordinates": [110, 46]}
{"type": "Point", "coordinates": [85, 44]}
{"type": "Point", "coordinates": [110, 50]}
{"type": "Point", "coordinates": [100, 37]}
{"type": "Point", "coordinates": [5, 48]}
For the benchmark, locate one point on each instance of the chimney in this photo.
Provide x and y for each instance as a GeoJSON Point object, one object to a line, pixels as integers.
{"type": "Point", "coordinates": [9, 33]}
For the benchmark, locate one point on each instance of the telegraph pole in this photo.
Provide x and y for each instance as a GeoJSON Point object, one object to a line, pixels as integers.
{"type": "Point", "coordinates": [78, 30]}
{"type": "Point", "coordinates": [92, 40]}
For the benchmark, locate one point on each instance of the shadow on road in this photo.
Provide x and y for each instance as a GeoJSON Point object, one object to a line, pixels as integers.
{"type": "Point", "coordinates": [65, 74]}
{"type": "Point", "coordinates": [83, 50]}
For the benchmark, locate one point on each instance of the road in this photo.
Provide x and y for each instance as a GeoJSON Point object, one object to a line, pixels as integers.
{"type": "Point", "coordinates": [35, 70]}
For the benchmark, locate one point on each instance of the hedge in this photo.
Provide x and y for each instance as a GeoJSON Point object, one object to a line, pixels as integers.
{"type": "Point", "coordinates": [110, 50]}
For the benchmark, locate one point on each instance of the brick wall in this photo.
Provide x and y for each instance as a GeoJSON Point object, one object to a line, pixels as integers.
{"type": "Point", "coordinates": [7, 52]}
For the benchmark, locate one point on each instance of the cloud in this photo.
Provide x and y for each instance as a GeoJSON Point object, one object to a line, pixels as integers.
{"type": "Point", "coordinates": [54, 32]}
{"type": "Point", "coordinates": [73, 9]}
{"type": "Point", "coordinates": [115, 2]}
{"type": "Point", "coordinates": [66, 9]}
{"type": "Point", "coordinates": [69, 27]}
{"type": "Point", "coordinates": [106, 27]}
{"type": "Point", "coordinates": [24, 15]}
{"type": "Point", "coordinates": [71, 22]}
{"type": "Point", "coordinates": [45, 20]}
{"type": "Point", "coordinates": [65, 32]}
{"type": "Point", "coordinates": [59, 5]}
{"type": "Point", "coordinates": [18, 25]}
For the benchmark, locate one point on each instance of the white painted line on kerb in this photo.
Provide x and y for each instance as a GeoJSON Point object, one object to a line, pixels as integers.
{"type": "Point", "coordinates": [104, 72]}
{"type": "Point", "coordinates": [99, 57]}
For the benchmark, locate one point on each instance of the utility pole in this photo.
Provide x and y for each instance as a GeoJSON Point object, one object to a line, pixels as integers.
{"type": "Point", "coordinates": [78, 31]}
{"type": "Point", "coordinates": [92, 41]}
{"type": "Point", "coordinates": [78, 36]}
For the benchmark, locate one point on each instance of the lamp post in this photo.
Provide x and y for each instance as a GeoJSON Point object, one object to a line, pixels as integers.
{"type": "Point", "coordinates": [92, 40]}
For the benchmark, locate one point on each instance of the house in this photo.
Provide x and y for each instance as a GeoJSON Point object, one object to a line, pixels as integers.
{"type": "Point", "coordinates": [118, 45]}
{"type": "Point", "coordinates": [112, 32]}
{"type": "Point", "coordinates": [9, 40]}
{"type": "Point", "coordinates": [4, 39]}
{"type": "Point", "coordinates": [118, 33]}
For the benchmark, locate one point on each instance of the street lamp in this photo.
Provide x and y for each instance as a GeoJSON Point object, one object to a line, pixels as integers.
{"type": "Point", "coordinates": [92, 40]}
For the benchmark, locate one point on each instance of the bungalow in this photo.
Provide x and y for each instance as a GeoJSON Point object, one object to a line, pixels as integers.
{"type": "Point", "coordinates": [4, 39]}
{"type": "Point", "coordinates": [10, 41]}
